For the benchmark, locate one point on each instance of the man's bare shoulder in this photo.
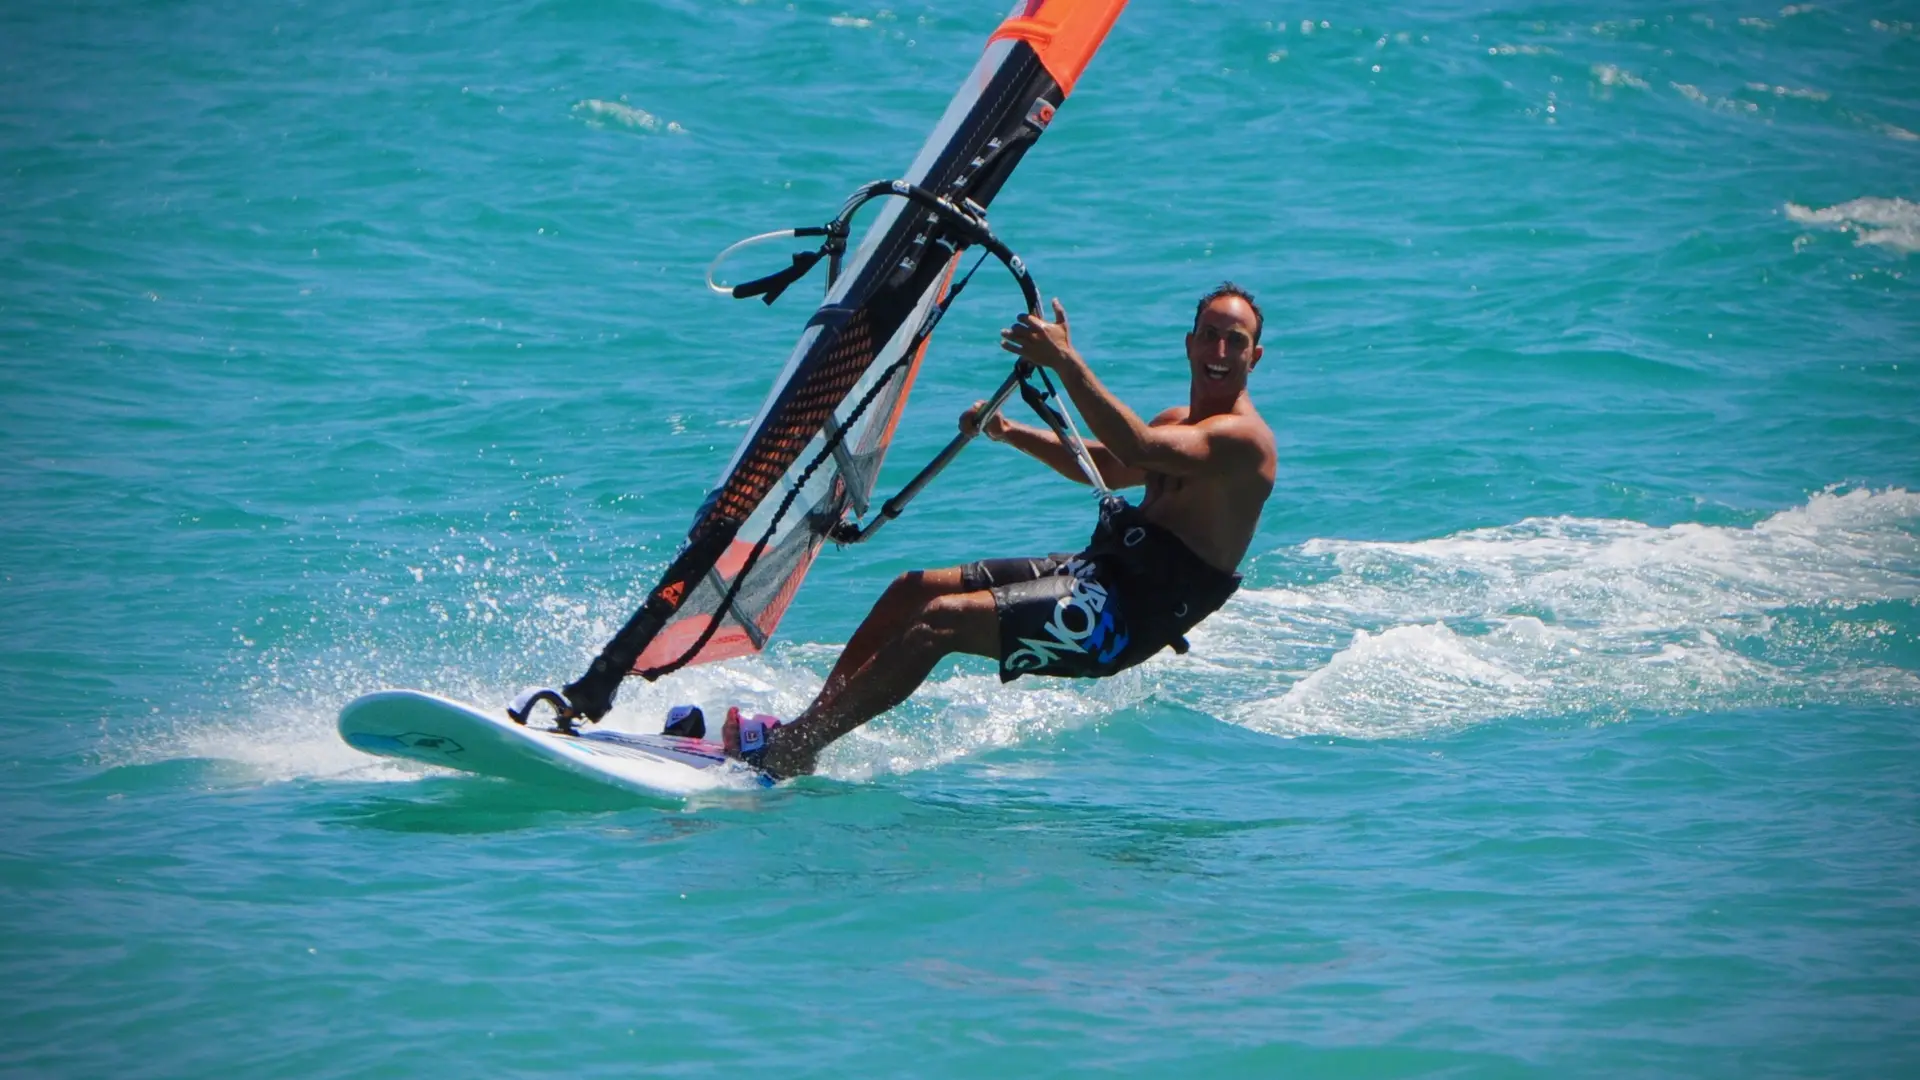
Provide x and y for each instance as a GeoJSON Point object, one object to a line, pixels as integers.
{"type": "Point", "coordinates": [1243, 439]}
{"type": "Point", "coordinates": [1244, 422]}
{"type": "Point", "coordinates": [1243, 425]}
{"type": "Point", "coordinates": [1241, 436]}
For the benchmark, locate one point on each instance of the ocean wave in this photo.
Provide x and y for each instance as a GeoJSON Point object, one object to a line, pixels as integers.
{"type": "Point", "coordinates": [1562, 617]}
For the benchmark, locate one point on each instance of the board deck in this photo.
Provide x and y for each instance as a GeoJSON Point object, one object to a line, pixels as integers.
{"type": "Point", "coordinates": [418, 726]}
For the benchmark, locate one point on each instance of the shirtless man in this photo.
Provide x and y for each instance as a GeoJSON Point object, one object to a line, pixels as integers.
{"type": "Point", "coordinates": [1147, 576]}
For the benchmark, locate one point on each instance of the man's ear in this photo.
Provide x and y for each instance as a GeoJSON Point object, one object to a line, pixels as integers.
{"type": "Point", "coordinates": [1258, 352]}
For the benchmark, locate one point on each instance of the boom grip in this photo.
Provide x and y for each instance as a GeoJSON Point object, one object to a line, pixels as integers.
{"type": "Point", "coordinates": [850, 533]}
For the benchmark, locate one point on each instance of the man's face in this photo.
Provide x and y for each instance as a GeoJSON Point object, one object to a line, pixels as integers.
{"type": "Point", "coordinates": [1220, 349]}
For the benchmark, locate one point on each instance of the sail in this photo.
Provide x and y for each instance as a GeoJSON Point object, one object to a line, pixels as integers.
{"type": "Point", "coordinates": [843, 482]}
{"type": "Point", "coordinates": [813, 453]}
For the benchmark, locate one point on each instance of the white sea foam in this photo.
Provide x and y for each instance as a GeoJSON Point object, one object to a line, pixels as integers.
{"type": "Point", "coordinates": [1564, 616]}
{"type": "Point", "coordinates": [290, 741]}
{"type": "Point", "coordinates": [620, 114]}
{"type": "Point", "coordinates": [961, 715]}
{"type": "Point", "coordinates": [1789, 92]}
{"type": "Point", "coordinates": [1692, 93]}
{"type": "Point", "coordinates": [1890, 223]}
{"type": "Point", "coordinates": [1611, 75]}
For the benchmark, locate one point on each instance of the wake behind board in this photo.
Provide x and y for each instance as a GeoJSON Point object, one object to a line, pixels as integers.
{"type": "Point", "coordinates": [423, 727]}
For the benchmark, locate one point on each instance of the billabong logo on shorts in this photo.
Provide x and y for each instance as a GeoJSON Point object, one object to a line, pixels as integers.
{"type": "Point", "coordinates": [1082, 623]}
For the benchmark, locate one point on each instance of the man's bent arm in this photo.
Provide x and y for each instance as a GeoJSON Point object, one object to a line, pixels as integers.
{"type": "Point", "coordinates": [1174, 449]}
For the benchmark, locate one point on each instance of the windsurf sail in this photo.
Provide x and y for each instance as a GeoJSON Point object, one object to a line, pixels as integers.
{"type": "Point", "coordinates": [812, 455]}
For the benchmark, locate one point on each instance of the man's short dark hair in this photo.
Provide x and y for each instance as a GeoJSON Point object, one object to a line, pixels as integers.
{"type": "Point", "coordinates": [1228, 288]}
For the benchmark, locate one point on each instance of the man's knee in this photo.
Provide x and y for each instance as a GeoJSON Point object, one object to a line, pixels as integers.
{"type": "Point", "coordinates": [955, 622]}
{"type": "Point", "coordinates": [919, 587]}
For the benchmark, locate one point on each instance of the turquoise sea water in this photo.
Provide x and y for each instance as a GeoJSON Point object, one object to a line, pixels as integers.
{"type": "Point", "coordinates": [1566, 725]}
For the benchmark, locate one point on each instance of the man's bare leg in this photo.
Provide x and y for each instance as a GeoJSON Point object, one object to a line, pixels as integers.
{"type": "Point", "coordinates": [904, 598]}
{"type": "Point", "coordinates": [953, 623]}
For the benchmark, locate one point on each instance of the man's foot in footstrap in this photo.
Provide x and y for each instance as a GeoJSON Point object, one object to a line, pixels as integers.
{"type": "Point", "coordinates": [746, 738]}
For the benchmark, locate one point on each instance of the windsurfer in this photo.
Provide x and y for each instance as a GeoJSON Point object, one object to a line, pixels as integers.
{"type": "Point", "coordinates": [1148, 575]}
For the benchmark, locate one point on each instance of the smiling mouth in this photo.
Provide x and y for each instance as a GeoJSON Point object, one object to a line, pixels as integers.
{"type": "Point", "coordinates": [1217, 372]}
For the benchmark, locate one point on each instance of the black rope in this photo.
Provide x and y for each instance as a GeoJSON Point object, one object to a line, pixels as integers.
{"type": "Point", "coordinates": [779, 514]}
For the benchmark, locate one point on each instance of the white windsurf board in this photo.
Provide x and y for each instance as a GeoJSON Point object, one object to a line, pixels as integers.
{"type": "Point", "coordinates": [417, 726]}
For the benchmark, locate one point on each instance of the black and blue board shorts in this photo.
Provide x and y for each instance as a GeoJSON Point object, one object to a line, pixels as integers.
{"type": "Point", "coordinates": [1135, 590]}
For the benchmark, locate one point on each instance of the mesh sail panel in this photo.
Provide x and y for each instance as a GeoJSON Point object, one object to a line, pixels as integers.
{"type": "Point", "coordinates": [826, 484]}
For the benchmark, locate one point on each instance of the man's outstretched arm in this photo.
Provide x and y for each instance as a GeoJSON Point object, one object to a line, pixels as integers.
{"type": "Point", "coordinates": [1044, 445]}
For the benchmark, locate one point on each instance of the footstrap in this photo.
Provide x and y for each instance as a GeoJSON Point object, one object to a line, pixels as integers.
{"type": "Point", "coordinates": [564, 714]}
{"type": "Point", "coordinates": [686, 722]}
{"type": "Point", "coordinates": [753, 737]}
{"type": "Point", "coordinates": [753, 733]}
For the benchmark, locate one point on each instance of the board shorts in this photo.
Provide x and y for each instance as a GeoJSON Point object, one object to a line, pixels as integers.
{"type": "Point", "coordinates": [1135, 590]}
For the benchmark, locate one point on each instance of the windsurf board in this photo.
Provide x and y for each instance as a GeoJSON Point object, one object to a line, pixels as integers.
{"type": "Point", "coordinates": [417, 726]}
